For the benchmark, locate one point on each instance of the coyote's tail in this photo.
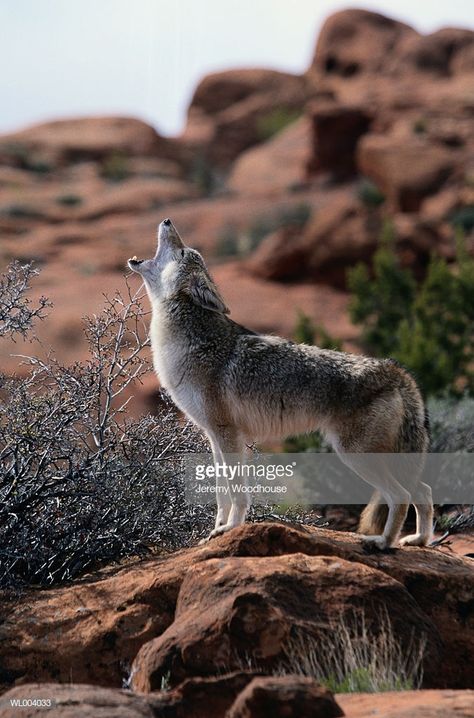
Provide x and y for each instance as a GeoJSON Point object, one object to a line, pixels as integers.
{"type": "Point", "coordinates": [413, 437]}
{"type": "Point", "coordinates": [374, 517]}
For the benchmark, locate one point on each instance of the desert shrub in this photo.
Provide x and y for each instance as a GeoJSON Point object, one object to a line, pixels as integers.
{"type": "Point", "coordinates": [115, 167]}
{"type": "Point", "coordinates": [17, 313]}
{"type": "Point", "coordinates": [275, 121]}
{"type": "Point", "coordinates": [427, 327]}
{"type": "Point", "coordinates": [369, 194]}
{"type": "Point", "coordinates": [69, 200]}
{"type": "Point", "coordinates": [352, 656]}
{"type": "Point", "coordinates": [451, 424]}
{"type": "Point", "coordinates": [81, 481]}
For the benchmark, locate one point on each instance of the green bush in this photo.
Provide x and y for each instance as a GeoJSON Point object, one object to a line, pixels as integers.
{"type": "Point", "coordinates": [463, 219]}
{"type": "Point", "coordinates": [69, 200]}
{"type": "Point", "coordinates": [307, 332]}
{"type": "Point", "coordinates": [370, 194]}
{"type": "Point", "coordinates": [115, 167]}
{"type": "Point", "coordinates": [273, 122]}
{"type": "Point", "coordinates": [428, 328]}
{"type": "Point", "coordinates": [420, 126]}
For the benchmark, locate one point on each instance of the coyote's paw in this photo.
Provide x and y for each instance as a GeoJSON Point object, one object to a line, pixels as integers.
{"type": "Point", "coordinates": [415, 540]}
{"type": "Point", "coordinates": [374, 542]}
{"type": "Point", "coordinates": [216, 532]}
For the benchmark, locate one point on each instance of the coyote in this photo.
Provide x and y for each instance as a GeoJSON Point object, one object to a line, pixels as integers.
{"type": "Point", "coordinates": [239, 387]}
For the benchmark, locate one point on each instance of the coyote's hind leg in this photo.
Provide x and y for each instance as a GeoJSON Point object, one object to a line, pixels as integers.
{"type": "Point", "coordinates": [424, 518]}
{"type": "Point", "coordinates": [375, 471]}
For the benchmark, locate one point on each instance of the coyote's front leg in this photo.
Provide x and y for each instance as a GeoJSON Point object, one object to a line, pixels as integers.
{"type": "Point", "coordinates": [232, 505]}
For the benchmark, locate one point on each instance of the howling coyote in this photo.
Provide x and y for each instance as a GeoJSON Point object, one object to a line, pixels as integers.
{"type": "Point", "coordinates": [240, 387]}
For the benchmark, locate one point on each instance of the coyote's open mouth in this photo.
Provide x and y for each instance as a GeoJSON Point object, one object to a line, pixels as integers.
{"type": "Point", "coordinates": [134, 260]}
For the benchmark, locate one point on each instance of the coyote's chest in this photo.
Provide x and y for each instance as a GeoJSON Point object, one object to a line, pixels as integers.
{"type": "Point", "coordinates": [171, 363]}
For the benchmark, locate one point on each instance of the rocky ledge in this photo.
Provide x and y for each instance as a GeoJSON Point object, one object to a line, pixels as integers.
{"type": "Point", "coordinates": [216, 621]}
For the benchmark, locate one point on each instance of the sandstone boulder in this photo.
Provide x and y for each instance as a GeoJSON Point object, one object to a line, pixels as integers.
{"type": "Point", "coordinates": [352, 42]}
{"type": "Point", "coordinates": [406, 169]}
{"type": "Point", "coordinates": [231, 111]}
{"type": "Point", "coordinates": [285, 697]}
{"type": "Point", "coordinates": [338, 234]}
{"type": "Point", "coordinates": [276, 165]}
{"type": "Point", "coordinates": [241, 609]}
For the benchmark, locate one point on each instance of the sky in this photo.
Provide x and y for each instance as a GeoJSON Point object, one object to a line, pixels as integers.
{"type": "Point", "coordinates": [143, 58]}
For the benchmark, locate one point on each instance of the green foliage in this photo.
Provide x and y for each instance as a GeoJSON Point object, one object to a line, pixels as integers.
{"type": "Point", "coordinates": [23, 158]}
{"type": "Point", "coordinates": [228, 242]}
{"type": "Point", "coordinates": [21, 211]}
{"type": "Point", "coordinates": [360, 680]}
{"type": "Point", "coordinates": [202, 176]}
{"type": "Point", "coordinates": [370, 194]}
{"type": "Point", "coordinates": [307, 332]}
{"type": "Point", "coordinates": [115, 167]}
{"type": "Point", "coordinates": [420, 126]}
{"type": "Point", "coordinates": [69, 200]}
{"type": "Point", "coordinates": [273, 122]}
{"type": "Point", "coordinates": [463, 219]}
{"type": "Point", "coordinates": [381, 302]}
{"type": "Point", "coordinates": [451, 422]}
{"type": "Point", "coordinates": [428, 328]}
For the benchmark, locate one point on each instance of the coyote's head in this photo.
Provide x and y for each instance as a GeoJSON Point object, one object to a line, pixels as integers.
{"type": "Point", "coordinates": [177, 271]}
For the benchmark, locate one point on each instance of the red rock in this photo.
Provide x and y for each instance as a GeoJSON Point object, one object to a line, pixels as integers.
{"type": "Point", "coordinates": [338, 234]}
{"type": "Point", "coordinates": [285, 697]}
{"type": "Point", "coordinates": [276, 165]}
{"type": "Point", "coordinates": [241, 609]}
{"type": "Point", "coordinates": [406, 169]}
{"type": "Point", "coordinates": [408, 704]}
{"type": "Point", "coordinates": [61, 142]}
{"type": "Point", "coordinates": [352, 42]}
{"type": "Point", "coordinates": [92, 630]}
{"type": "Point", "coordinates": [442, 53]}
{"type": "Point", "coordinates": [226, 113]}
{"type": "Point", "coordinates": [77, 701]}
{"type": "Point", "coordinates": [336, 129]}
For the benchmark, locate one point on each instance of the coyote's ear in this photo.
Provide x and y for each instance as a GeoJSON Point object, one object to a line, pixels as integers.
{"type": "Point", "coordinates": [203, 292]}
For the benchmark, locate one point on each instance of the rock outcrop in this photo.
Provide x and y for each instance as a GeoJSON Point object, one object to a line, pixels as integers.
{"type": "Point", "coordinates": [213, 608]}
